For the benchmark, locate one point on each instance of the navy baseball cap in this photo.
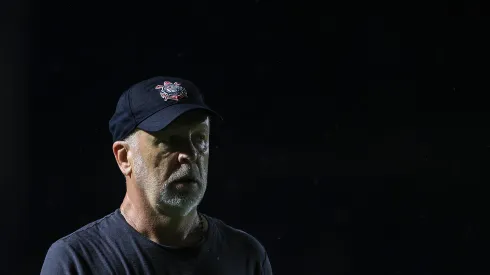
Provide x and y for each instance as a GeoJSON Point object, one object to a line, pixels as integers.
{"type": "Point", "coordinates": [152, 104]}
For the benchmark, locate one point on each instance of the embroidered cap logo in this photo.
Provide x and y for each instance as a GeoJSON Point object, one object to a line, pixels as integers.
{"type": "Point", "coordinates": [172, 91]}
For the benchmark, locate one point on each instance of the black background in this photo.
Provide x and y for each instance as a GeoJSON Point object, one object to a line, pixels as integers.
{"type": "Point", "coordinates": [355, 138]}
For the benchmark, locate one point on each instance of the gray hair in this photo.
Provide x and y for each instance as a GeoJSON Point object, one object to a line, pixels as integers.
{"type": "Point", "coordinates": [132, 139]}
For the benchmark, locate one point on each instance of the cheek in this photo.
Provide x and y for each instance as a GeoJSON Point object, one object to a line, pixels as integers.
{"type": "Point", "coordinates": [164, 164]}
{"type": "Point", "coordinates": [204, 162]}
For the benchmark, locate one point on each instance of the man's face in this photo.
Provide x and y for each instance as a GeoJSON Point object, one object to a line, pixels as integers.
{"type": "Point", "coordinates": [171, 166]}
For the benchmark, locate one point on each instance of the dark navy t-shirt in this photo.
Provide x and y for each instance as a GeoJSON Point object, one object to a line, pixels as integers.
{"type": "Point", "coordinates": [111, 246]}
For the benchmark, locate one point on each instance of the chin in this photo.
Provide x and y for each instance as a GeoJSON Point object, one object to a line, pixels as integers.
{"type": "Point", "coordinates": [178, 207]}
{"type": "Point", "coordinates": [173, 211]}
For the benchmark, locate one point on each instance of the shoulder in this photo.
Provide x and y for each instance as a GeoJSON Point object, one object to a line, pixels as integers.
{"type": "Point", "coordinates": [67, 254]}
{"type": "Point", "coordinates": [61, 258]}
{"type": "Point", "coordinates": [99, 229]}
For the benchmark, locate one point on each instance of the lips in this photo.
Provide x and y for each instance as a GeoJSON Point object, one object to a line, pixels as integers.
{"type": "Point", "coordinates": [185, 185]}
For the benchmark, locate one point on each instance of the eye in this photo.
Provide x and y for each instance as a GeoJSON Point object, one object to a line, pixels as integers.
{"type": "Point", "coordinates": [164, 140]}
{"type": "Point", "coordinates": [201, 141]}
{"type": "Point", "coordinates": [201, 137]}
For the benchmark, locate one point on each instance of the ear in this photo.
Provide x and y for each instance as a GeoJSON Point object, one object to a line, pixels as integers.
{"type": "Point", "coordinates": [121, 153]}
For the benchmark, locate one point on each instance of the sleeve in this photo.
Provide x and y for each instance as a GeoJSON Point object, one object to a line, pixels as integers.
{"type": "Point", "coordinates": [61, 259]}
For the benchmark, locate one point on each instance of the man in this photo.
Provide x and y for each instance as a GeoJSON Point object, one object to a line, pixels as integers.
{"type": "Point", "coordinates": [160, 131]}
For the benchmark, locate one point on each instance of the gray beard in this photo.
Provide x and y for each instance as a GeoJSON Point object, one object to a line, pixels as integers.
{"type": "Point", "coordinates": [169, 199]}
{"type": "Point", "coordinates": [182, 203]}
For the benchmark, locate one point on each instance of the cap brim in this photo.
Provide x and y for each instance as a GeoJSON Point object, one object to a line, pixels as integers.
{"type": "Point", "coordinates": [164, 117]}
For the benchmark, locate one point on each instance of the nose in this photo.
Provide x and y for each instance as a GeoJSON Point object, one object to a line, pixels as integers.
{"type": "Point", "coordinates": [188, 155]}
{"type": "Point", "coordinates": [187, 158]}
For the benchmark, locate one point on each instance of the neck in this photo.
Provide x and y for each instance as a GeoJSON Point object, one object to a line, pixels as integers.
{"type": "Point", "coordinates": [162, 229]}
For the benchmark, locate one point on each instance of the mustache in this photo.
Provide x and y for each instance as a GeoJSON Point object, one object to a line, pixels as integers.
{"type": "Point", "coordinates": [183, 176]}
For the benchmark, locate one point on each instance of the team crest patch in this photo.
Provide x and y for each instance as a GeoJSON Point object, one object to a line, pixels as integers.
{"type": "Point", "coordinates": [173, 91]}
